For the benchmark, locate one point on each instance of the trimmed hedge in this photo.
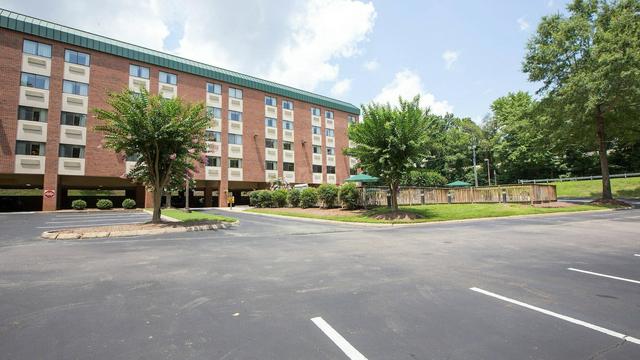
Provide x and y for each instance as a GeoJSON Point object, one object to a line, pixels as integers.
{"type": "Point", "coordinates": [308, 198]}
{"type": "Point", "coordinates": [348, 196]}
{"type": "Point", "coordinates": [293, 197]}
{"type": "Point", "coordinates": [104, 204]}
{"type": "Point", "coordinates": [328, 194]}
{"type": "Point", "coordinates": [79, 204]}
{"type": "Point", "coordinates": [128, 203]}
{"type": "Point", "coordinates": [279, 198]}
{"type": "Point", "coordinates": [262, 198]}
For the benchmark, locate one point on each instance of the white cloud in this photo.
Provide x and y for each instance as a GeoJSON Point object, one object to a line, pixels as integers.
{"type": "Point", "coordinates": [523, 24]}
{"type": "Point", "coordinates": [341, 87]}
{"type": "Point", "coordinates": [371, 65]}
{"type": "Point", "coordinates": [408, 84]}
{"type": "Point", "coordinates": [449, 57]}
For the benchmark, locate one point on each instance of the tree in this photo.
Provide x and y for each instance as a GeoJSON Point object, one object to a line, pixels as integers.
{"type": "Point", "coordinates": [589, 66]}
{"type": "Point", "coordinates": [167, 135]}
{"type": "Point", "coordinates": [390, 142]}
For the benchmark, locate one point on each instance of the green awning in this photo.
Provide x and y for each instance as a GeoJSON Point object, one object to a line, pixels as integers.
{"type": "Point", "coordinates": [364, 178]}
{"type": "Point", "coordinates": [458, 184]}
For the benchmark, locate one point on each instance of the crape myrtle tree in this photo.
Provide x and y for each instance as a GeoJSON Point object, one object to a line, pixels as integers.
{"type": "Point", "coordinates": [588, 62]}
{"type": "Point", "coordinates": [167, 135]}
{"type": "Point", "coordinates": [390, 142]}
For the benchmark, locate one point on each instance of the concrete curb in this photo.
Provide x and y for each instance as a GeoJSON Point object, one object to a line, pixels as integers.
{"type": "Point", "coordinates": [54, 235]}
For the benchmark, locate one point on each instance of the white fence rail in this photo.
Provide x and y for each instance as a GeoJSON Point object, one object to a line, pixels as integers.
{"type": "Point", "coordinates": [578, 178]}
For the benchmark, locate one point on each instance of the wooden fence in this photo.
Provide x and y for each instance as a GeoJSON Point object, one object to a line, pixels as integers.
{"type": "Point", "coordinates": [530, 193]}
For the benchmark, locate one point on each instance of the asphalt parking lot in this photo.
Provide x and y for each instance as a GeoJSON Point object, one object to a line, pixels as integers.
{"type": "Point", "coordinates": [557, 287]}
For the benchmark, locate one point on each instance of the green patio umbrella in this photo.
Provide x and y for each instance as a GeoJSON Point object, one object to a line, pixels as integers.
{"type": "Point", "coordinates": [458, 184]}
{"type": "Point", "coordinates": [363, 178]}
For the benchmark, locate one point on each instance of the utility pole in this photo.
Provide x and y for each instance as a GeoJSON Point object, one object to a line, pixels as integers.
{"type": "Point", "coordinates": [475, 169]}
{"type": "Point", "coordinates": [186, 194]}
{"type": "Point", "coordinates": [495, 177]}
{"type": "Point", "coordinates": [488, 171]}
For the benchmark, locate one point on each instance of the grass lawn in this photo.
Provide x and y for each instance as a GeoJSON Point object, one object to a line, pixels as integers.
{"type": "Point", "coordinates": [430, 213]}
{"type": "Point", "coordinates": [621, 187]}
{"type": "Point", "coordinates": [194, 216]}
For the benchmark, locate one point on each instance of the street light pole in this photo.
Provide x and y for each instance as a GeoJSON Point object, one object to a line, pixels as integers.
{"type": "Point", "coordinates": [475, 170]}
{"type": "Point", "coordinates": [488, 171]}
{"type": "Point", "coordinates": [186, 202]}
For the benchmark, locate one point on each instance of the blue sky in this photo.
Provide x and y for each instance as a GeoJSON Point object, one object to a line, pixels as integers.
{"type": "Point", "coordinates": [460, 55]}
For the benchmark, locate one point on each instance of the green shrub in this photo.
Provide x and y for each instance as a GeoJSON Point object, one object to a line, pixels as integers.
{"type": "Point", "coordinates": [279, 198]}
{"type": "Point", "coordinates": [424, 178]}
{"type": "Point", "coordinates": [104, 204]}
{"type": "Point", "coordinates": [293, 197]}
{"type": "Point", "coordinates": [328, 194]}
{"type": "Point", "coordinates": [79, 204]}
{"type": "Point", "coordinates": [348, 195]}
{"type": "Point", "coordinates": [264, 199]}
{"type": "Point", "coordinates": [128, 203]}
{"type": "Point", "coordinates": [254, 198]}
{"type": "Point", "coordinates": [308, 198]}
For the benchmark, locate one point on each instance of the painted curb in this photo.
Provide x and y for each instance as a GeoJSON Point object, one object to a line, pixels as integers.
{"type": "Point", "coordinates": [53, 235]}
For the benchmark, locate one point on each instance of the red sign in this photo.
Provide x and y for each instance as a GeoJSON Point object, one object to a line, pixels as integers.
{"type": "Point", "coordinates": [49, 193]}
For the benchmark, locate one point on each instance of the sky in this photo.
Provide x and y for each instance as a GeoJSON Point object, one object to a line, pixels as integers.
{"type": "Point", "coordinates": [458, 55]}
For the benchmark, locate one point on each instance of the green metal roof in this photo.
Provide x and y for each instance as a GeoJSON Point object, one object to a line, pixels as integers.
{"type": "Point", "coordinates": [458, 184]}
{"type": "Point", "coordinates": [362, 178]}
{"type": "Point", "coordinates": [29, 25]}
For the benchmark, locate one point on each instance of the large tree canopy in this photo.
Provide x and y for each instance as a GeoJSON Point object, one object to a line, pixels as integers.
{"type": "Point", "coordinates": [589, 66]}
{"type": "Point", "coordinates": [167, 136]}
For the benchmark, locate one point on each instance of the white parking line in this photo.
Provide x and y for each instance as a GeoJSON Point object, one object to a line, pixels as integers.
{"type": "Point", "coordinates": [636, 254]}
{"type": "Point", "coordinates": [562, 317]}
{"type": "Point", "coordinates": [97, 220]}
{"type": "Point", "coordinates": [97, 216]}
{"type": "Point", "coordinates": [66, 226]}
{"type": "Point", "coordinates": [343, 344]}
{"type": "Point", "coordinates": [604, 275]}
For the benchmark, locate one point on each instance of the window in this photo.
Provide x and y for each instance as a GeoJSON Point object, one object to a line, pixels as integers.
{"type": "Point", "coordinates": [29, 148]}
{"type": "Point", "coordinates": [76, 57]}
{"type": "Point", "coordinates": [271, 165]}
{"type": "Point", "coordinates": [214, 136]}
{"type": "Point", "coordinates": [133, 157]}
{"type": "Point", "coordinates": [317, 149]}
{"type": "Point", "coordinates": [34, 81]}
{"type": "Point", "coordinates": [235, 93]}
{"type": "Point", "coordinates": [287, 104]}
{"type": "Point", "coordinates": [328, 114]}
{"type": "Point", "coordinates": [76, 88]}
{"type": "Point", "coordinates": [331, 151]}
{"type": "Point", "coordinates": [214, 112]}
{"type": "Point", "coordinates": [288, 167]}
{"type": "Point", "coordinates": [167, 78]}
{"type": "Point", "coordinates": [213, 161]}
{"type": "Point", "coordinates": [287, 145]}
{"type": "Point", "coordinates": [316, 130]}
{"type": "Point", "coordinates": [351, 119]}
{"type": "Point", "coordinates": [270, 122]}
{"type": "Point", "coordinates": [71, 151]}
{"type": "Point", "coordinates": [235, 139]}
{"type": "Point", "coordinates": [271, 143]}
{"type": "Point", "coordinates": [329, 132]}
{"type": "Point", "coordinates": [235, 163]}
{"type": "Point", "coordinates": [331, 169]}
{"type": "Point", "coordinates": [36, 48]}
{"type": "Point", "coordinates": [32, 114]}
{"type": "Point", "coordinates": [271, 101]}
{"type": "Point", "coordinates": [67, 118]}
{"type": "Point", "coordinates": [315, 111]}
{"type": "Point", "coordinates": [317, 169]}
{"type": "Point", "coordinates": [214, 88]}
{"type": "Point", "coordinates": [235, 116]}
{"type": "Point", "coordinates": [139, 71]}
{"type": "Point", "coordinates": [288, 125]}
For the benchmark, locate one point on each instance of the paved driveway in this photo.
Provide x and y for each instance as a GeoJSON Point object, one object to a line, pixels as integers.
{"type": "Point", "coordinates": [560, 287]}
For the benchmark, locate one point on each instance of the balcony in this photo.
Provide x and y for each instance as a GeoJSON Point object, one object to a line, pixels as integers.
{"type": "Point", "coordinates": [315, 120]}
{"type": "Point", "coordinates": [214, 148]}
{"type": "Point", "coordinates": [271, 111]}
{"type": "Point", "coordinates": [235, 104]}
{"type": "Point", "coordinates": [212, 173]}
{"type": "Point", "coordinates": [167, 91]}
{"type": "Point", "coordinates": [75, 135]}
{"type": "Point", "coordinates": [215, 125]}
{"type": "Point", "coordinates": [316, 140]}
{"type": "Point", "coordinates": [288, 156]}
{"type": "Point", "coordinates": [75, 103]}
{"type": "Point", "coordinates": [316, 178]}
{"type": "Point", "coordinates": [328, 123]}
{"type": "Point", "coordinates": [235, 127]}
{"type": "Point", "coordinates": [317, 159]}
{"type": "Point", "coordinates": [70, 166]}
{"type": "Point", "coordinates": [287, 115]}
{"type": "Point", "coordinates": [271, 154]}
{"type": "Point", "coordinates": [331, 142]}
{"type": "Point", "coordinates": [270, 175]}
{"type": "Point", "coordinates": [287, 135]}
{"type": "Point", "coordinates": [235, 174]}
{"type": "Point", "coordinates": [36, 64]}
{"type": "Point", "coordinates": [29, 164]}
{"type": "Point", "coordinates": [214, 100]}
{"type": "Point", "coordinates": [235, 151]}
{"type": "Point", "coordinates": [128, 166]}
{"type": "Point", "coordinates": [76, 72]}
{"type": "Point", "coordinates": [271, 132]}
{"type": "Point", "coordinates": [353, 162]}
{"type": "Point", "coordinates": [34, 97]}
{"type": "Point", "coordinates": [136, 83]}
{"type": "Point", "coordinates": [331, 178]}
{"type": "Point", "coordinates": [331, 160]}
{"type": "Point", "coordinates": [32, 131]}
{"type": "Point", "coordinates": [289, 176]}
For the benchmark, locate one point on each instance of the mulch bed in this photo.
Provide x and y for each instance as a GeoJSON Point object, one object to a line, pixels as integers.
{"type": "Point", "coordinates": [399, 215]}
{"type": "Point", "coordinates": [613, 202]}
{"type": "Point", "coordinates": [129, 227]}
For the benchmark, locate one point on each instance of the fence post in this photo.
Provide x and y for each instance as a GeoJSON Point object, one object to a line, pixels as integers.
{"type": "Point", "coordinates": [422, 200]}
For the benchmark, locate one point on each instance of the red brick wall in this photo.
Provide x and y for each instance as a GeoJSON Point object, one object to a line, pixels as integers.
{"type": "Point", "coordinates": [10, 64]}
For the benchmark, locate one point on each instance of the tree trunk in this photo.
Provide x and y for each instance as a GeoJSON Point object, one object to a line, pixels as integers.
{"type": "Point", "coordinates": [604, 161]}
{"type": "Point", "coordinates": [157, 197]}
{"type": "Point", "coordinates": [394, 197]}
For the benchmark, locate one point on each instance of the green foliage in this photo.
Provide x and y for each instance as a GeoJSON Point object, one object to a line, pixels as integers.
{"type": "Point", "coordinates": [166, 134]}
{"type": "Point", "coordinates": [348, 196]}
{"type": "Point", "coordinates": [424, 178]}
{"type": "Point", "coordinates": [328, 194]}
{"type": "Point", "coordinates": [104, 204]}
{"type": "Point", "coordinates": [279, 198]}
{"type": "Point", "coordinates": [263, 198]}
{"type": "Point", "coordinates": [79, 204]}
{"type": "Point", "coordinates": [390, 141]}
{"type": "Point", "coordinates": [128, 203]}
{"type": "Point", "coordinates": [293, 197]}
{"type": "Point", "coordinates": [254, 198]}
{"type": "Point", "coordinates": [308, 198]}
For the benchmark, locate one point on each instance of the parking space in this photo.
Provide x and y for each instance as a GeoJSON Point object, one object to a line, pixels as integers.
{"type": "Point", "coordinates": [561, 287]}
{"type": "Point", "coordinates": [74, 220]}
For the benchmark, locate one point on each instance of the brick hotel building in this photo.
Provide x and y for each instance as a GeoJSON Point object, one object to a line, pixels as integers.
{"type": "Point", "coordinates": [51, 76]}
